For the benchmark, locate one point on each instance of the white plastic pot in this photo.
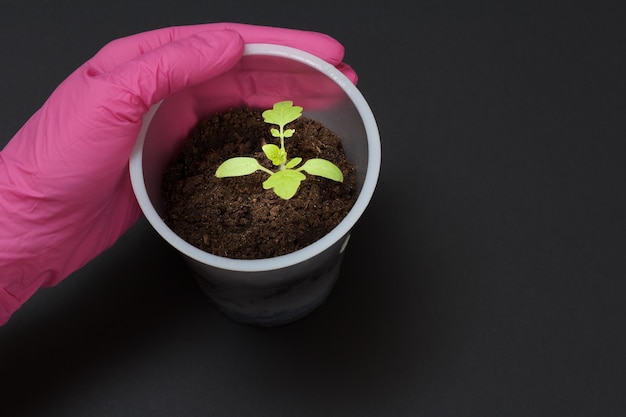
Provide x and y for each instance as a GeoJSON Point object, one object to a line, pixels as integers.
{"type": "Point", "coordinates": [282, 289]}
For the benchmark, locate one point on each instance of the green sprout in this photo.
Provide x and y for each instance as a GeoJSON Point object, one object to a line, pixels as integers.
{"type": "Point", "coordinates": [286, 180]}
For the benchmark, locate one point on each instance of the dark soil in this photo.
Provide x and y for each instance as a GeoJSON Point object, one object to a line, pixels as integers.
{"type": "Point", "coordinates": [235, 217]}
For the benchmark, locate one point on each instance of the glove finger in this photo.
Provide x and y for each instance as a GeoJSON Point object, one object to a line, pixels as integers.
{"type": "Point", "coordinates": [165, 70]}
{"type": "Point", "coordinates": [319, 44]}
{"type": "Point", "coordinates": [125, 49]}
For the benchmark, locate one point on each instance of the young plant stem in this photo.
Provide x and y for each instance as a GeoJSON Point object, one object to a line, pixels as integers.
{"type": "Point", "coordinates": [262, 168]}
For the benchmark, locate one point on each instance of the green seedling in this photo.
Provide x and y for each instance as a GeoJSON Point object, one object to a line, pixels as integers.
{"type": "Point", "coordinates": [286, 180]}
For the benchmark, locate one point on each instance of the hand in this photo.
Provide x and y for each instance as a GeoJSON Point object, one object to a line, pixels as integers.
{"type": "Point", "coordinates": [65, 193]}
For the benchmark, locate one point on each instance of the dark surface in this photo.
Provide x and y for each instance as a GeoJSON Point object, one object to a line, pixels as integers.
{"type": "Point", "coordinates": [487, 277]}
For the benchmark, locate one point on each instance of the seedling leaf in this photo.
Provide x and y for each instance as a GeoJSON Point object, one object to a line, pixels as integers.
{"type": "Point", "coordinates": [322, 168]}
{"type": "Point", "coordinates": [275, 154]}
{"type": "Point", "coordinates": [285, 183]}
{"type": "Point", "coordinates": [293, 163]}
{"type": "Point", "coordinates": [282, 113]}
{"type": "Point", "coordinates": [236, 167]}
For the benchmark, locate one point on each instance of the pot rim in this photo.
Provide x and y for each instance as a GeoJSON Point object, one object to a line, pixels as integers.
{"type": "Point", "coordinates": [301, 255]}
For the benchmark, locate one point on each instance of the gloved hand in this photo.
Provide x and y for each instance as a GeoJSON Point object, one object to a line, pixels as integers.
{"type": "Point", "coordinates": [65, 193]}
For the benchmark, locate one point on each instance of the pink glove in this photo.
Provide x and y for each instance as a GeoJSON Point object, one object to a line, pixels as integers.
{"type": "Point", "coordinates": [65, 193]}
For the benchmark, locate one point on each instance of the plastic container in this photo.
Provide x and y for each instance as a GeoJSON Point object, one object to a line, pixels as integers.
{"type": "Point", "coordinates": [279, 290]}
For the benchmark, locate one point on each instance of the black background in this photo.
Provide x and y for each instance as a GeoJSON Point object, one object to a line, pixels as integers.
{"type": "Point", "coordinates": [486, 278]}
